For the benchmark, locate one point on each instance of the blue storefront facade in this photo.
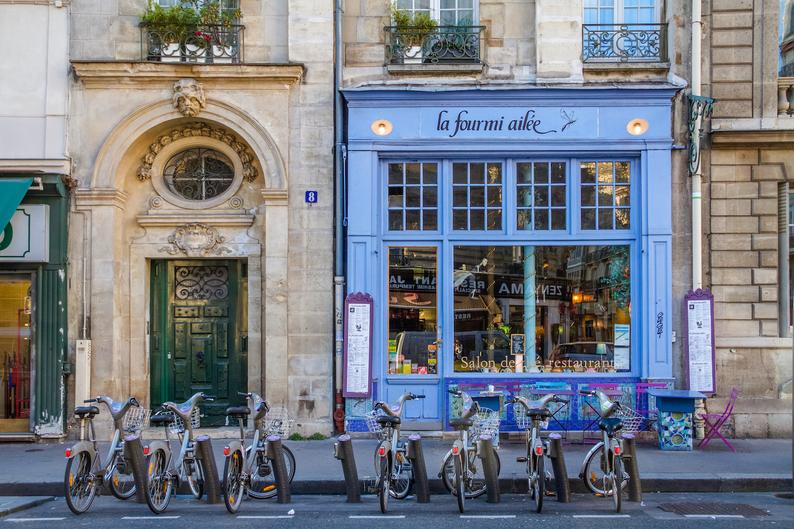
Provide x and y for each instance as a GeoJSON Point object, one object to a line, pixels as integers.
{"type": "Point", "coordinates": [511, 240]}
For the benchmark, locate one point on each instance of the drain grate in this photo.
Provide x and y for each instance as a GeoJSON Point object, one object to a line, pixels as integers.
{"type": "Point", "coordinates": [712, 509]}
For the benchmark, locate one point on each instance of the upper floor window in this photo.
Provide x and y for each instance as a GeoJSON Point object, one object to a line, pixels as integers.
{"type": "Point", "coordinates": [199, 174]}
{"type": "Point", "coordinates": [621, 11]}
{"type": "Point", "coordinates": [623, 30]}
{"type": "Point", "coordinates": [446, 12]}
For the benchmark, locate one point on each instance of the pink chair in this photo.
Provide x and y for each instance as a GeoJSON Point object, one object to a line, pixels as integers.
{"type": "Point", "coordinates": [715, 421]}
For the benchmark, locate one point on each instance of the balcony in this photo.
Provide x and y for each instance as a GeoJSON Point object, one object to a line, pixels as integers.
{"type": "Point", "coordinates": [624, 43]}
{"type": "Point", "coordinates": [202, 44]}
{"type": "Point", "coordinates": [785, 95]}
{"type": "Point", "coordinates": [442, 48]}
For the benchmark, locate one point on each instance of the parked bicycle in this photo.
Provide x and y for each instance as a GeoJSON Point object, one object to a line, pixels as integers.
{"type": "Point", "coordinates": [461, 472]}
{"type": "Point", "coordinates": [164, 472]}
{"type": "Point", "coordinates": [248, 469]}
{"type": "Point", "coordinates": [532, 416]}
{"type": "Point", "coordinates": [85, 470]}
{"type": "Point", "coordinates": [602, 469]}
{"type": "Point", "coordinates": [392, 467]}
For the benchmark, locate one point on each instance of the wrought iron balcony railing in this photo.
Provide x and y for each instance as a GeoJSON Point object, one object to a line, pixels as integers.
{"type": "Point", "coordinates": [205, 44]}
{"type": "Point", "coordinates": [624, 43]}
{"type": "Point", "coordinates": [442, 45]}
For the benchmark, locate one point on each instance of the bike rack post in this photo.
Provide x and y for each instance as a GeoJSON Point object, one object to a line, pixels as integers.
{"type": "Point", "coordinates": [134, 458]}
{"type": "Point", "coordinates": [632, 468]}
{"type": "Point", "coordinates": [212, 484]}
{"type": "Point", "coordinates": [275, 452]}
{"type": "Point", "coordinates": [557, 457]}
{"type": "Point", "coordinates": [343, 451]}
{"type": "Point", "coordinates": [417, 458]}
{"type": "Point", "coordinates": [485, 451]}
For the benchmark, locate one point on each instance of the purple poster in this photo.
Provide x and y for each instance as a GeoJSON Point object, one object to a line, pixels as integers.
{"type": "Point", "coordinates": [699, 341]}
{"type": "Point", "coordinates": [358, 345]}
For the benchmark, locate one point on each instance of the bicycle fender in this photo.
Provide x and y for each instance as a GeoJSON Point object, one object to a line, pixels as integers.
{"type": "Point", "coordinates": [591, 453]}
{"type": "Point", "coordinates": [386, 444]}
{"type": "Point", "coordinates": [233, 446]}
{"type": "Point", "coordinates": [83, 446]}
{"type": "Point", "coordinates": [165, 447]}
{"type": "Point", "coordinates": [443, 460]}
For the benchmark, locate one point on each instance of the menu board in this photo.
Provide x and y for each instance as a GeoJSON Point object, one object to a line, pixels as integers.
{"type": "Point", "coordinates": [699, 344]}
{"type": "Point", "coordinates": [358, 345]}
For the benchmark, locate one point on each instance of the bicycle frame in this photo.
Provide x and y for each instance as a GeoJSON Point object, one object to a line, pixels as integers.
{"type": "Point", "coordinates": [98, 466]}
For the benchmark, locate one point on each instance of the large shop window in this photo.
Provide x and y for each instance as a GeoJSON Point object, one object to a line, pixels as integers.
{"type": "Point", "coordinates": [531, 309]}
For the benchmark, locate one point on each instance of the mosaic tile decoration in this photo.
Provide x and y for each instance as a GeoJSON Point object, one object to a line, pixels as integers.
{"type": "Point", "coordinates": [675, 431]}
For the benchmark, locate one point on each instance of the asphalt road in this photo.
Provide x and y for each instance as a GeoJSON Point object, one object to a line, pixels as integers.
{"type": "Point", "coordinates": [329, 512]}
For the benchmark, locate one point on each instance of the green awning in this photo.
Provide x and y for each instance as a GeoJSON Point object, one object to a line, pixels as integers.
{"type": "Point", "coordinates": [12, 191]}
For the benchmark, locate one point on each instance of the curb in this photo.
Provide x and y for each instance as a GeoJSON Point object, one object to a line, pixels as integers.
{"type": "Point", "coordinates": [25, 504]}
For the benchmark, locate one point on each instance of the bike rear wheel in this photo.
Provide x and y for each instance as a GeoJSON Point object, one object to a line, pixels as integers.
{"type": "Point", "coordinates": [79, 487]}
{"type": "Point", "coordinates": [460, 484]}
{"type": "Point", "coordinates": [159, 484]}
{"type": "Point", "coordinates": [402, 475]}
{"type": "Point", "coordinates": [233, 483]}
{"type": "Point", "coordinates": [121, 482]}
{"type": "Point", "coordinates": [263, 480]}
{"type": "Point", "coordinates": [595, 476]}
{"type": "Point", "coordinates": [383, 483]}
{"type": "Point", "coordinates": [617, 483]}
{"type": "Point", "coordinates": [539, 483]}
{"type": "Point", "coordinates": [195, 477]}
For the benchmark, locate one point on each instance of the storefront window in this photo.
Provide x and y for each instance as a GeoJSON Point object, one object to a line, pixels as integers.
{"type": "Point", "coordinates": [477, 196]}
{"type": "Point", "coordinates": [532, 309]}
{"type": "Point", "coordinates": [541, 196]}
{"type": "Point", "coordinates": [413, 196]}
{"type": "Point", "coordinates": [605, 195]}
{"type": "Point", "coordinates": [413, 311]}
{"type": "Point", "coordinates": [15, 343]}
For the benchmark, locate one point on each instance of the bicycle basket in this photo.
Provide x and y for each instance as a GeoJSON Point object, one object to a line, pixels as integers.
{"type": "Point", "coordinates": [277, 422]}
{"type": "Point", "coordinates": [632, 421]}
{"type": "Point", "coordinates": [178, 426]}
{"type": "Point", "coordinates": [486, 422]}
{"type": "Point", "coordinates": [135, 419]}
{"type": "Point", "coordinates": [372, 422]}
{"type": "Point", "coordinates": [523, 421]}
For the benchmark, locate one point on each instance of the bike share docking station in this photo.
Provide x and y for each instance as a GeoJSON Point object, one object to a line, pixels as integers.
{"type": "Point", "coordinates": [275, 452]}
{"type": "Point", "coordinates": [133, 456]}
{"type": "Point", "coordinates": [212, 483]}
{"type": "Point", "coordinates": [343, 451]}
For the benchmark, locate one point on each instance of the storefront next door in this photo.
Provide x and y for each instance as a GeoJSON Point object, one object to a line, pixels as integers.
{"type": "Point", "coordinates": [15, 352]}
{"type": "Point", "coordinates": [198, 333]}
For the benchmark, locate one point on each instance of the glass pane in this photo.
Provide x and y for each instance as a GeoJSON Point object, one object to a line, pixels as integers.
{"type": "Point", "coordinates": [605, 196]}
{"type": "Point", "coordinates": [395, 173]}
{"type": "Point", "coordinates": [477, 219]}
{"type": "Point", "coordinates": [460, 219]}
{"type": "Point", "coordinates": [494, 219]}
{"type": "Point", "coordinates": [395, 197]}
{"type": "Point", "coordinates": [622, 218]}
{"type": "Point", "coordinates": [588, 195]}
{"type": "Point", "coordinates": [576, 318]}
{"type": "Point", "coordinates": [412, 173]}
{"type": "Point", "coordinates": [524, 171]}
{"type": "Point", "coordinates": [477, 196]}
{"type": "Point", "coordinates": [412, 195]}
{"type": "Point", "coordinates": [460, 196]}
{"type": "Point", "coordinates": [622, 196]}
{"type": "Point", "coordinates": [605, 218]}
{"type": "Point", "coordinates": [558, 172]}
{"type": "Point", "coordinates": [605, 172]}
{"type": "Point", "coordinates": [588, 172]}
{"type": "Point", "coordinates": [413, 311]}
{"type": "Point", "coordinates": [430, 220]}
{"type": "Point", "coordinates": [622, 172]}
{"type": "Point", "coordinates": [494, 173]}
{"type": "Point", "coordinates": [523, 218]}
{"type": "Point", "coordinates": [429, 173]}
{"type": "Point", "coordinates": [395, 219]}
{"type": "Point", "coordinates": [541, 173]}
{"type": "Point", "coordinates": [558, 195]}
{"type": "Point", "coordinates": [460, 173]}
{"type": "Point", "coordinates": [494, 196]}
{"type": "Point", "coordinates": [412, 219]}
{"type": "Point", "coordinates": [477, 173]}
{"type": "Point", "coordinates": [541, 196]}
{"type": "Point", "coordinates": [16, 308]}
{"type": "Point", "coordinates": [558, 219]}
{"type": "Point", "coordinates": [447, 18]}
{"type": "Point", "coordinates": [430, 196]}
{"type": "Point", "coordinates": [541, 219]}
{"type": "Point", "coordinates": [525, 196]}
{"type": "Point", "coordinates": [588, 219]}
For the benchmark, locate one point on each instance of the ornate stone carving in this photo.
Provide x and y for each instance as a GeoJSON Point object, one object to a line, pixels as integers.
{"type": "Point", "coordinates": [199, 129]}
{"type": "Point", "coordinates": [236, 203]}
{"type": "Point", "coordinates": [196, 240]}
{"type": "Point", "coordinates": [188, 97]}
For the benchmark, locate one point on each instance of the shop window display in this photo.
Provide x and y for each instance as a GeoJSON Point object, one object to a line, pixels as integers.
{"type": "Point", "coordinates": [536, 309]}
{"type": "Point", "coordinates": [15, 352]}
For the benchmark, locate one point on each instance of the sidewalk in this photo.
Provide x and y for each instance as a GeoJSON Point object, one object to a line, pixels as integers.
{"type": "Point", "coordinates": [761, 465]}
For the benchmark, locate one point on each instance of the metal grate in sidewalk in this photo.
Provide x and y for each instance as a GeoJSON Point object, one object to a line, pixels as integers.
{"type": "Point", "coordinates": [712, 509]}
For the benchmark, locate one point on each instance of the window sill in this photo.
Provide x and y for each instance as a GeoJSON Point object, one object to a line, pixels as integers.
{"type": "Point", "coordinates": [431, 69]}
{"type": "Point", "coordinates": [617, 66]}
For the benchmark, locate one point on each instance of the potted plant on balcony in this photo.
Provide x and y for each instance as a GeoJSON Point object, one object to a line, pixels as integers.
{"type": "Point", "coordinates": [410, 35]}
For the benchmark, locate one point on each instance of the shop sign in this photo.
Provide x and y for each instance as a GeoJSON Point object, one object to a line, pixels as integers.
{"type": "Point", "coordinates": [26, 238]}
{"type": "Point", "coordinates": [514, 122]}
{"type": "Point", "coordinates": [512, 286]}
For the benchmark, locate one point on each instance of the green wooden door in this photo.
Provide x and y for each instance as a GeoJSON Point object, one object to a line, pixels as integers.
{"type": "Point", "coordinates": [198, 338]}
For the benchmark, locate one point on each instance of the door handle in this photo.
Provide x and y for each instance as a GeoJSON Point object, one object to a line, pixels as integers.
{"type": "Point", "coordinates": [200, 357]}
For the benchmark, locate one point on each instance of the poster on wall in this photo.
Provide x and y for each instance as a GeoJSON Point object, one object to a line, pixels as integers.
{"type": "Point", "coordinates": [699, 340]}
{"type": "Point", "coordinates": [357, 379]}
{"type": "Point", "coordinates": [622, 344]}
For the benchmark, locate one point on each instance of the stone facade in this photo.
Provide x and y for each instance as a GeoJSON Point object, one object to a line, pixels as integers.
{"type": "Point", "coordinates": [748, 164]}
{"type": "Point", "coordinates": [272, 115]}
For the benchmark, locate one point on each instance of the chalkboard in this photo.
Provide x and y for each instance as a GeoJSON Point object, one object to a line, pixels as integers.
{"type": "Point", "coordinates": [358, 345]}
{"type": "Point", "coordinates": [699, 344]}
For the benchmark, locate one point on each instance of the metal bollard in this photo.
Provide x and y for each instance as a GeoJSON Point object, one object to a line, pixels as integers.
{"type": "Point", "coordinates": [485, 451]}
{"type": "Point", "coordinates": [417, 458]}
{"type": "Point", "coordinates": [212, 484]}
{"type": "Point", "coordinates": [275, 452]}
{"type": "Point", "coordinates": [136, 463]}
{"type": "Point", "coordinates": [343, 451]}
{"type": "Point", "coordinates": [557, 456]}
{"type": "Point", "coordinates": [632, 468]}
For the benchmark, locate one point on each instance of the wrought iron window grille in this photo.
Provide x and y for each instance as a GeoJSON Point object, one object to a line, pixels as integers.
{"type": "Point", "coordinates": [441, 45]}
{"type": "Point", "coordinates": [700, 108]}
{"type": "Point", "coordinates": [208, 43]}
{"type": "Point", "coordinates": [624, 42]}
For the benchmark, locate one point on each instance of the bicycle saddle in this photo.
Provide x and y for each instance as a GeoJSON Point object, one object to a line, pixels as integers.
{"type": "Point", "coordinates": [161, 419]}
{"type": "Point", "coordinates": [384, 420]}
{"type": "Point", "coordinates": [238, 411]}
{"type": "Point", "coordinates": [86, 411]}
{"type": "Point", "coordinates": [610, 425]}
{"type": "Point", "coordinates": [461, 423]}
{"type": "Point", "coordinates": [538, 412]}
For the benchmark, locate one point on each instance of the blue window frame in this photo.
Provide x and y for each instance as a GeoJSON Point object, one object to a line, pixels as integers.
{"type": "Point", "coordinates": [605, 195]}
{"type": "Point", "coordinates": [541, 190]}
{"type": "Point", "coordinates": [477, 191]}
{"type": "Point", "coordinates": [413, 196]}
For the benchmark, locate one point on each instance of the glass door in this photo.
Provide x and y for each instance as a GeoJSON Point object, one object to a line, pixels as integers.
{"type": "Point", "coordinates": [413, 331]}
{"type": "Point", "coordinates": [15, 352]}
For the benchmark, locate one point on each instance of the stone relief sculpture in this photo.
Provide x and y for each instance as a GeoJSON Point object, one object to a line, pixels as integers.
{"type": "Point", "coordinates": [189, 97]}
{"type": "Point", "coordinates": [196, 240]}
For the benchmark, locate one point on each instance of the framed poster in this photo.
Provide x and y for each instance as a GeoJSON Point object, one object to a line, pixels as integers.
{"type": "Point", "coordinates": [357, 378]}
{"type": "Point", "coordinates": [699, 344]}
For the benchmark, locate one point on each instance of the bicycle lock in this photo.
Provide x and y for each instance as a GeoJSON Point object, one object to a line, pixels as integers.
{"type": "Point", "coordinates": [275, 452]}
{"type": "Point", "coordinates": [136, 463]}
{"type": "Point", "coordinates": [212, 484]}
{"type": "Point", "coordinates": [632, 468]}
{"type": "Point", "coordinates": [417, 458]}
{"type": "Point", "coordinates": [485, 451]}
{"type": "Point", "coordinates": [343, 451]}
{"type": "Point", "coordinates": [561, 485]}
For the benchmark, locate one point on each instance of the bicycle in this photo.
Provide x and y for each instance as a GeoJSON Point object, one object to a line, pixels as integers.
{"type": "Point", "coordinates": [163, 473]}
{"type": "Point", "coordinates": [85, 471]}
{"type": "Point", "coordinates": [459, 469]}
{"type": "Point", "coordinates": [532, 416]}
{"type": "Point", "coordinates": [248, 469]}
{"type": "Point", "coordinates": [608, 452]}
{"type": "Point", "coordinates": [392, 467]}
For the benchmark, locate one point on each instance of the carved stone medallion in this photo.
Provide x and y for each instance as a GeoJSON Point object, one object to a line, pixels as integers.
{"type": "Point", "coordinates": [196, 240]}
{"type": "Point", "coordinates": [189, 97]}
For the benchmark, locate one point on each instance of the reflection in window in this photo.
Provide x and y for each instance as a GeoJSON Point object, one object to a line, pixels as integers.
{"type": "Point", "coordinates": [542, 309]}
{"type": "Point", "coordinates": [477, 196]}
{"type": "Point", "coordinates": [541, 196]}
{"type": "Point", "coordinates": [413, 311]}
{"type": "Point", "coordinates": [605, 195]}
{"type": "Point", "coordinates": [413, 196]}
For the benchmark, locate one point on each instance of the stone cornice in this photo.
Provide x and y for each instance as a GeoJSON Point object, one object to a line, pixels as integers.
{"type": "Point", "coordinates": [63, 166]}
{"type": "Point", "coordinates": [758, 138]}
{"type": "Point", "coordinates": [219, 218]}
{"type": "Point", "coordinates": [122, 74]}
{"type": "Point", "coordinates": [275, 197]}
{"type": "Point", "coordinates": [89, 197]}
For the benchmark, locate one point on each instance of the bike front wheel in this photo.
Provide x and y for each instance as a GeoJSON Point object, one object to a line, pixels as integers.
{"type": "Point", "coordinates": [538, 485]}
{"type": "Point", "coordinates": [122, 482]}
{"type": "Point", "coordinates": [595, 473]}
{"type": "Point", "coordinates": [159, 484]}
{"type": "Point", "coordinates": [233, 483]}
{"type": "Point", "coordinates": [383, 484]}
{"type": "Point", "coordinates": [460, 482]}
{"type": "Point", "coordinates": [79, 486]}
{"type": "Point", "coordinates": [402, 475]}
{"type": "Point", "coordinates": [474, 479]}
{"type": "Point", "coordinates": [617, 483]}
{"type": "Point", "coordinates": [263, 480]}
{"type": "Point", "coordinates": [195, 478]}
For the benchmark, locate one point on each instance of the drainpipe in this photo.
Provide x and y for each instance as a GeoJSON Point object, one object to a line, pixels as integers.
{"type": "Point", "coordinates": [339, 221]}
{"type": "Point", "coordinates": [697, 215]}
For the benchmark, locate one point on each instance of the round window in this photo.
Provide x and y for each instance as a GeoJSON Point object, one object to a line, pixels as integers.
{"type": "Point", "coordinates": [199, 174]}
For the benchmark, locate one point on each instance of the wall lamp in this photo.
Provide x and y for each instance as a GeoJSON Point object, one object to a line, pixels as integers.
{"type": "Point", "coordinates": [637, 127]}
{"type": "Point", "coordinates": [382, 127]}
